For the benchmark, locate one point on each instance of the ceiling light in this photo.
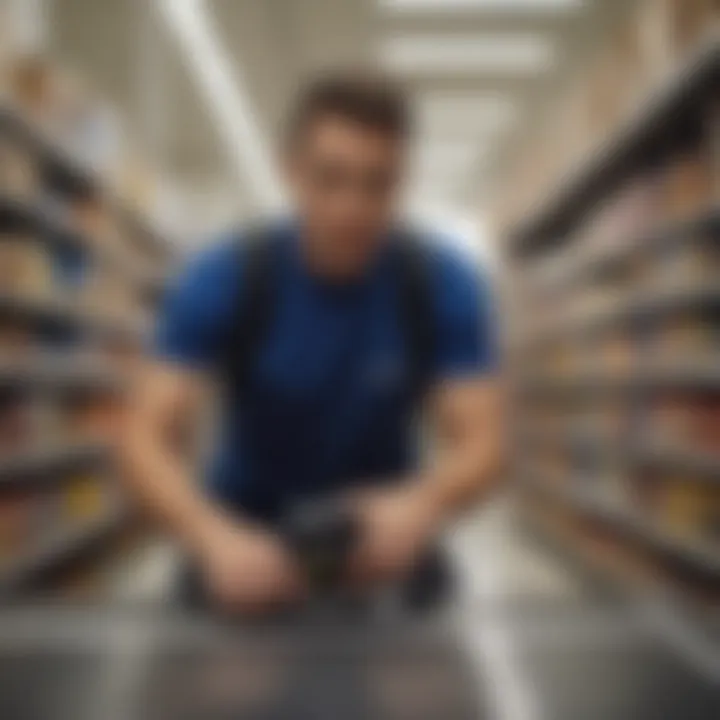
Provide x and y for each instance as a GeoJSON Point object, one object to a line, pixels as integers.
{"type": "Point", "coordinates": [464, 113]}
{"type": "Point", "coordinates": [435, 157]}
{"type": "Point", "coordinates": [493, 53]}
{"type": "Point", "coordinates": [227, 99]}
{"type": "Point", "coordinates": [487, 5]}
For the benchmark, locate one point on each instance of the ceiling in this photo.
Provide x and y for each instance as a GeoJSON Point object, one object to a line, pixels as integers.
{"type": "Point", "coordinates": [471, 118]}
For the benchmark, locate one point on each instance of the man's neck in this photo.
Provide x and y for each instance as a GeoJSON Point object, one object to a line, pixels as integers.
{"type": "Point", "coordinates": [325, 258]}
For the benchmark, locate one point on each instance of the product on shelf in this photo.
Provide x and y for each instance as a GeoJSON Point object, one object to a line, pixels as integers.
{"type": "Point", "coordinates": [690, 22]}
{"type": "Point", "coordinates": [18, 524]}
{"type": "Point", "coordinates": [706, 428]}
{"type": "Point", "coordinates": [689, 263]}
{"type": "Point", "coordinates": [16, 424]}
{"type": "Point", "coordinates": [27, 423]}
{"type": "Point", "coordinates": [670, 419]}
{"type": "Point", "coordinates": [685, 338]}
{"type": "Point", "coordinates": [18, 172]}
{"type": "Point", "coordinates": [691, 422]}
{"type": "Point", "coordinates": [33, 86]}
{"type": "Point", "coordinates": [690, 509]}
{"type": "Point", "coordinates": [690, 184]}
{"type": "Point", "coordinates": [16, 341]}
{"type": "Point", "coordinates": [617, 353]}
{"type": "Point", "coordinates": [92, 418]}
{"type": "Point", "coordinates": [25, 268]}
{"type": "Point", "coordinates": [121, 356]}
{"type": "Point", "coordinates": [83, 497]}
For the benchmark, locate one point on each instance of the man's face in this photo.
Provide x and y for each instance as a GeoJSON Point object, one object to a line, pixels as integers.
{"type": "Point", "coordinates": [345, 179]}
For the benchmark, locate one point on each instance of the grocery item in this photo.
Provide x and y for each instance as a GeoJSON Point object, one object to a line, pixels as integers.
{"type": "Point", "coordinates": [16, 428]}
{"type": "Point", "coordinates": [688, 421]}
{"type": "Point", "coordinates": [92, 418]}
{"type": "Point", "coordinates": [690, 184]}
{"type": "Point", "coordinates": [18, 526]}
{"type": "Point", "coordinates": [689, 263]}
{"type": "Point", "coordinates": [685, 338]}
{"type": "Point", "coordinates": [706, 424]}
{"type": "Point", "coordinates": [83, 497]}
{"type": "Point", "coordinates": [691, 22]}
{"type": "Point", "coordinates": [25, 268]}
{"type": "Point", "coordinates": [691, 509]}
{"type": "Point", "coordinates": [618, 353]}
{"type": "Point", "coordinates": [16, 340]}
{"type": "Point", "coordinates": [18, 171]}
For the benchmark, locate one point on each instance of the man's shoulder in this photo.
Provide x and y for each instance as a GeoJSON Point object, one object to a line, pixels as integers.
{"type": "Point", "coordinates": [210, 273]}
{"type": "Point", "coordinates": [448, 264]}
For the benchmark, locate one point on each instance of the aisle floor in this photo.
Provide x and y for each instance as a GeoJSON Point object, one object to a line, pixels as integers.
{"type": "Point", "coordinates": [530, 639]}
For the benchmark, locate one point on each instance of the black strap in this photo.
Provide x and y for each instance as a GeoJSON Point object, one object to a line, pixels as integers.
{"type": "Point", "coordinates": [416, 311]}
{"type": "Point", "coordinates": [257, 297]}
{"type": "Point", "coordinates": [255, 302]}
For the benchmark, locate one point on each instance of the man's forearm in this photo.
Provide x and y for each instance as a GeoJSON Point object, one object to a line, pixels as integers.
{"type": "Point", "coordinates": [462, 476]}
{"type": "Point", "coordinates": [470, 430]}
{"type": "Point", "coordinates": [165, 487]}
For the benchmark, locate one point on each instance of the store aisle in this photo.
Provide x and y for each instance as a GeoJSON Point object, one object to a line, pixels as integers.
{"type": "Point", "coordinates": [551, 639]}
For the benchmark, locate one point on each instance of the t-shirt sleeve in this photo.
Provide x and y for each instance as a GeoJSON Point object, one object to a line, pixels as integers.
{"type": "Point", "coordinates": [197, 309]}
{"type": "Point", "coordinates": [467, 322]}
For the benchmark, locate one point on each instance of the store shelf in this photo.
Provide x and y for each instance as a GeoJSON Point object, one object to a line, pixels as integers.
{"type": "Point", "coordinates": [632, 307]}
{"type": "Point", "coordinates": [51, 373]}
{"type": "Point", "coordinates": [704, 465]}
{"type": "Point", "coordinates": [61, 314]}
{"type": "Point", "coordinates": [703, 224]}
{"type": "Point", "coordinates": [74, 179]}
{"type": "Point", "coordinates": [23, 216]}
{"type": "Point", "coordinates": [41, 467]}
{"type": "Point", "coordinates": [630, 523]}
{"type": "Point", "coordinates": [61, 550]}
{"type": "Point", "coordinates": [659, 123]}
{"type": "Point", "coordinates": [686, 375]}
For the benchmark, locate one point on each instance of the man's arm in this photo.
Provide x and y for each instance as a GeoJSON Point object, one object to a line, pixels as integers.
{"type": "Point", "coordinates": [401, 522]}
{"type": "Point", "coordinates": [466, 417]}
{"type": "Point", "coordinates": [163, 400]}
{"type": "Point", "coordinates": [245, 567]}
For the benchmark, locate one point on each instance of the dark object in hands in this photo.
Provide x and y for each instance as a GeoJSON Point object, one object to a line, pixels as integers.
{"type": "Point", "coordinates": [322, 534]}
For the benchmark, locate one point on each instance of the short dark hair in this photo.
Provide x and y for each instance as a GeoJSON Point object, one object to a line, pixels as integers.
{"type": "Point", "coordinates": [369, 99]}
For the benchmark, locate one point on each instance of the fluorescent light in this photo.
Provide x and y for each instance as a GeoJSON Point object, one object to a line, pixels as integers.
{"type": "Point", "coordinates": [486, 5]}
{"type": "Point", "coordinates": [442, 170]}
{"type": "Point", "coordinates": [227, 99]}
{"type": "Point", "coordinates": [495, 53]}
{"type": "Point", "coordinates": [464, 114]}
{"type": "Point", "coordinates": [436, 158]}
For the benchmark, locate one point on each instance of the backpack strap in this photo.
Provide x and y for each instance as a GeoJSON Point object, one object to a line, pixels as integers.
{"type": "Point", "coordinates": [417, 312]}
{"type": "Point", "coordinates": [254, 306]}
{"type": "Point", "coordinates": [256, 301]}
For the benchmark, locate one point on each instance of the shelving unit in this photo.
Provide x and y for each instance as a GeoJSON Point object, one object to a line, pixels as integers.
{"type": "Point", "coordinates": [71, 178]}
{"type": "Point", "coordinates": [36, 468]}
{"type": "Point", "coordinates": [59, 550]}
{"type": "Point", "coordinates": [67, 356]}
{"type": "Point", "coordinates": [616, 347]}
{"type": "Point", "coordinates": [57, 374]}
{"type": "Point", "coordinates": [665, 117]}
{"type": "Point", "coordinates": [631, 523]}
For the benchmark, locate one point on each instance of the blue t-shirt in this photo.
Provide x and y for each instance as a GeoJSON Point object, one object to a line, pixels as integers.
{"type": "Point", "coordinates": [324, 405]}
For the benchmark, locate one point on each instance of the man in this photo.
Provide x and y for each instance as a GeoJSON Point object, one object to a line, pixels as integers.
{"type": "Point", "coordinates": [327, 400]}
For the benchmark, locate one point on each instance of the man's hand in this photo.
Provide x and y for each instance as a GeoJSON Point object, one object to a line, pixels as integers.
{"type": "Point", "coordinates": [396, 526]}
{"type": "Point", "coordinates": [248, 570]}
